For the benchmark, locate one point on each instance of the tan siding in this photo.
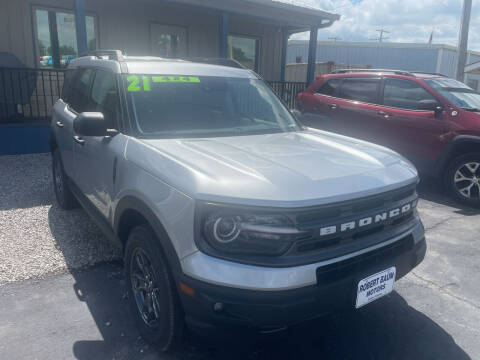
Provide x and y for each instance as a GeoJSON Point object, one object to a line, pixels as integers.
{"type": "Point", "coordinates": [123, 24]}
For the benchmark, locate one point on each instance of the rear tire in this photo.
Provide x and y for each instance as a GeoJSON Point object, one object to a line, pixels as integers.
{"type": "Point", "coordinates": [462, 179]}
{"type": "Point", "coordinates": [64, 195]}
{"type": "Point", "coordinates": [152, 295]}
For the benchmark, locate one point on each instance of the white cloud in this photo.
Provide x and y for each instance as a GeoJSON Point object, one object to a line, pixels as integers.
{"type": "Point", "coordinates": [407, 20]}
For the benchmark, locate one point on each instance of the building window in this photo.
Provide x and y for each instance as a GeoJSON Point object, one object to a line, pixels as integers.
{"type": "Point", "coordinates": [56, 37]}
{"type": "Point", "coordinates": [244, 50]}
{"type": "Point", "coordinates": [473, 84]}
{"type": "Point", "coordinates": [168, 41]}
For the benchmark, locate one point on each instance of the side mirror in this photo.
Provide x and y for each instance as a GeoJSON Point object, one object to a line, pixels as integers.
{"type": "Point", "coordinates": [431, 105]}
{"type": "Point", "coordinates": [90, 124]}
{"type": "Point", "coordinates": [438, 111]}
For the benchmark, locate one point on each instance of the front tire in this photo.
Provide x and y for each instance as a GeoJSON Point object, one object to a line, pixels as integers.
{"type": "Point", "coordinates": [64, 195]}
{"type": "Point", "coordinates": [152, 294]}
{"type": "Point", "coordinates": [462, 179]}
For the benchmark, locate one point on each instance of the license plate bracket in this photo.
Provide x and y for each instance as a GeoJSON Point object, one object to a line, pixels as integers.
{"type": "Point", "coordinates": [375, 286]}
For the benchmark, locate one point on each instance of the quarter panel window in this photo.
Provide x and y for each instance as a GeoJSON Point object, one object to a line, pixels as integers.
{"type": "Point", "coordinates": [360, 89]}
{"type": "Point", "coordinates": [330, 88]}
{"type": "Point", "coordinates": [404, 94]}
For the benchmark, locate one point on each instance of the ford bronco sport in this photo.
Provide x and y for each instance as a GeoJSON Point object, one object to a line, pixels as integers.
{"type": "Point", "coordinates": [432, 120]}
{"type": "Point", "coordinates": [230, 213]}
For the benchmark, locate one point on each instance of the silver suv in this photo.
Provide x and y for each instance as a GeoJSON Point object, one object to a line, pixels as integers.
{"type": "Point", "coordinates": [229, 211]}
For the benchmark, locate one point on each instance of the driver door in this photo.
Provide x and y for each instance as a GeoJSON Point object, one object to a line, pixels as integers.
{"type": "Point", "coordinates": [406, 125]}
{"type": "Point", "coordinates": [95, 157]}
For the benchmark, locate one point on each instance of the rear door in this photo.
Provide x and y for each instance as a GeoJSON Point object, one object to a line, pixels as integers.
{"type": "Point", "coordinates": [319, 106]}
{"type": "Point", "coordinates": [357, 110]}
{"type": "Point", "coordinates": [404, 124]}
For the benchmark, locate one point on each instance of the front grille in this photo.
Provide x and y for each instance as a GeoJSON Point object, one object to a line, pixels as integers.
{"type": "Point", "coordinates": [312, 220]}
{"type": "Point", "coordinates": [345, 268]}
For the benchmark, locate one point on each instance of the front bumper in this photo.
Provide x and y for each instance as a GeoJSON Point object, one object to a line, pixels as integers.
{"type": "Point", "coordinates": [334, 289]}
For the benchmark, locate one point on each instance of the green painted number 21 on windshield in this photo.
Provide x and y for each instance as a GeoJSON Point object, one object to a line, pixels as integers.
{"type": "Point", "coordinates": [134, 81]}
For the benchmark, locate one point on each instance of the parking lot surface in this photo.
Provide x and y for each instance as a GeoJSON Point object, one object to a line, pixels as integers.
{"type": "Point", "coordinates": [71, 308]}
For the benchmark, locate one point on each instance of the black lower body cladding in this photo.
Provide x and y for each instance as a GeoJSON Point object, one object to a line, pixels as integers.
{"type": "Point", "coordinates": [215, 307]}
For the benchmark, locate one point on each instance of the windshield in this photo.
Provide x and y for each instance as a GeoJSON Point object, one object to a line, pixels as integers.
{"type": "Point", "coordinates": [196, 106]}
{"type": "Point", "coordinates": [457, 93]}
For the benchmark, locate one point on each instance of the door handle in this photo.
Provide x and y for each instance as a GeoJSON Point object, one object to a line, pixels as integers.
{"type": "Point", "coordinates": [59, 124]}
{"type": "Point", "coordinates": [333, 106]}
{"type": "Point", "coordinates": [384, 114]}
{"type": "Point", "coordinates": [79, 140]}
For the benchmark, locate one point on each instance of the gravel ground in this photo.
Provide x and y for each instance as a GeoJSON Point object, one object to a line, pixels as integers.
{"type": "Point", "coordinates": [37, 237]}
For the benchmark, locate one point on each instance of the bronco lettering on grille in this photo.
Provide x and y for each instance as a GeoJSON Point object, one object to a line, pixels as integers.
{"type": "Point", "coordinates": [369, 220]}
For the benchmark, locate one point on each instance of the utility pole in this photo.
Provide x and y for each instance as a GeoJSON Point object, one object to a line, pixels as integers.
{"type": "Point", "coordinates": [335, 38]}
{"type": "Point", "coordinates": [381, 37]}
{"type": "Point", "coordinates": [463, 39]}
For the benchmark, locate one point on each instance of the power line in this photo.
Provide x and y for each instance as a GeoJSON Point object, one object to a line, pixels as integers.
{"type": "Point", "coordinates": [381, 37]}
{"type": "Point", "coordinates": [335, 38]}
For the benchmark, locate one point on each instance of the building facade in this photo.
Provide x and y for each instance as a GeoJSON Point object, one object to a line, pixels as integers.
{"type": "Point", "coordinates": [43, 36]}
{"type": "Point", "coordinates": [435, 58]}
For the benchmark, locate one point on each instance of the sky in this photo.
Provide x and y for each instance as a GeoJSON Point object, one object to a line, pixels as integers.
{"type": "Point", "coordinates": [406, 20]}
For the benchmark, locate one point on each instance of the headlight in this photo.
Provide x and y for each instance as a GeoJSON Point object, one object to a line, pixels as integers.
{"type": "Point", "coordinates": [246, 233]}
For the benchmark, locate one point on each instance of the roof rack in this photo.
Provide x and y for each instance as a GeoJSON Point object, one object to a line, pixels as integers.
{"type": "Point", "coordinates": [217, 61]}
{"type": "Point", "coordinates": [116, 55]}
{"type": "Point", "coordinates": [398, 72]}
{"type": "Point", "coordinates": [429, 73]}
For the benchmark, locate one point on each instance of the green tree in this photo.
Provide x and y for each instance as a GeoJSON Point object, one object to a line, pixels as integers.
{"type": "Point", "coordinates": [67, 50]}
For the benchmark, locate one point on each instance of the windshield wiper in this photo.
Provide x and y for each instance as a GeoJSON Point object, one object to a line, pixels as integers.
{"type": "Point", "coordinates": [471, 109]}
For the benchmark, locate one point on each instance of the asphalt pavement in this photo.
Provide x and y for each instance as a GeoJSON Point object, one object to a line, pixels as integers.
{"type": "Point", "coordinates": [434, 312]}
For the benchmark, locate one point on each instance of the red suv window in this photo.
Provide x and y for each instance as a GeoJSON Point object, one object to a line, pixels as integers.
{"type": "Point", "coordinates": [360, 89]}
{"type": "Point", "coordinates": [330, 88]}
{"type": "Point", "coordinates": [405, 94]}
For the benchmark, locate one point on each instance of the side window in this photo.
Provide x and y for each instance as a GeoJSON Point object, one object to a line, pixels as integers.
{"type": "Point", "coordinates": [360, 89]}
{"type": "Point", "coordinates": [67, 85]}
{"type": "Point", "coordinates": [79, 92]}
{"type": "Point", "coordinates": [105, 96]}
{"type": "Point", "coordinates": [405, 94]}
{"type": "Point", "coordinates": [330, 88]}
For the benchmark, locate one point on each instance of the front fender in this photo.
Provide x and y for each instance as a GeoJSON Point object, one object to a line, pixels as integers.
{"type": "Point", "coordinates": [450, 149]}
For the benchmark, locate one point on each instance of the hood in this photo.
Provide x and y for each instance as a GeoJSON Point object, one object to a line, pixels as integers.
{"type": "Point", "coordinates": [303, 168]}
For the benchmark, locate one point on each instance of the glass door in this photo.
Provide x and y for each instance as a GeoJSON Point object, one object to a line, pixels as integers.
{"type": "Point", "coordinates": [168, 41]}
{"type": "Point", "coordinates": [56, 37]}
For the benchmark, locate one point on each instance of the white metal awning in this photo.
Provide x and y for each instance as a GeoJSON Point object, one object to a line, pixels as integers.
{"type": "Point", "coordinates": [282, 12]}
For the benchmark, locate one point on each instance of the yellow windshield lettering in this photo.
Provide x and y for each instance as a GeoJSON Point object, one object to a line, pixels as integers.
{"type": "Point", "coordinates": [134, 81]}
{"type": "Point", "coordinates": [133, 85]}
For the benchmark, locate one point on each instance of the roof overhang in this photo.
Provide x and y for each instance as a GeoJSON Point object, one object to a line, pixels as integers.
{"type": "Point", "coordinates": [295, 18]}
{"type": "Point", "coordinates": [473, 68]}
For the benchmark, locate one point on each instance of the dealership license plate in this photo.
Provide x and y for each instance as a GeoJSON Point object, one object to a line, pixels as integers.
{"type": "Point", "coordinates": [375, 286]}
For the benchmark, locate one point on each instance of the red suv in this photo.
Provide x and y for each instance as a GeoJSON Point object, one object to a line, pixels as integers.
{"type": "Point", "coordinates": [432, 120]}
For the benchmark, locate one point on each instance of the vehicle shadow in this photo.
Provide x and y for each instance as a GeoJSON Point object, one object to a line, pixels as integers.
{"type": "Point", "coordinates": [387, 329]}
